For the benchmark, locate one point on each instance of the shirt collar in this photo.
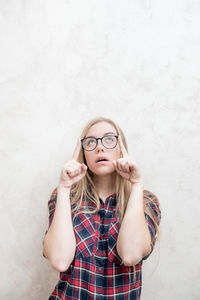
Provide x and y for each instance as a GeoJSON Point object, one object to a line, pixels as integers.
{"type": "Point", "coordinates": [109, 201]}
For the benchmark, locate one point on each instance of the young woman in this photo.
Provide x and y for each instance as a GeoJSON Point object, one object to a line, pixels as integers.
{"type": "Point", "coordinates": [102, 222]}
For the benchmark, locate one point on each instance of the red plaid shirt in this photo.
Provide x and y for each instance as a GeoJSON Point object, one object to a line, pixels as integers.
{"type": "Point", "coordinates": [97, 271]}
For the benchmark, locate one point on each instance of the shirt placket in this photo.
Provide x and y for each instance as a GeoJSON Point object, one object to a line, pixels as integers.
{"type": "Point", "coordinates": [101, 257]}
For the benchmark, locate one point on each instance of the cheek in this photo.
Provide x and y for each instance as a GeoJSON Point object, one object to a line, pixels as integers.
{"type": "Point", "coordinates": [118, 150]}
{"type": "Point", "coordinates": [87, 158]}
{"type": "Point", "coordinates": [116, 153]}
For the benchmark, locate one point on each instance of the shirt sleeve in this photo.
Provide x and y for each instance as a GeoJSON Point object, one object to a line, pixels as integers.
{"type": "Point", "coordinates": [153, 208]}
{"type": "Point", "coordinates": [52, 205]}
{"type": "Point", "coordinates": [51, 208]}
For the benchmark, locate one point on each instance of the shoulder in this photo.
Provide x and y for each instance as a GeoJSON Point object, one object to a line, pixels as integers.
{"type": "Point", "coordinates": [52, 200]}
{"type": "Point", "coordinates": [152, 205]}
{"type": "Point", "coordinates": [151, 196]}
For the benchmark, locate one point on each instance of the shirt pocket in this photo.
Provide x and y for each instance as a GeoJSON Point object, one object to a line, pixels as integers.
{"type": "Point", "coordinates": [85, 229]}
{"type": "Point", "coordinates": [113, 255]}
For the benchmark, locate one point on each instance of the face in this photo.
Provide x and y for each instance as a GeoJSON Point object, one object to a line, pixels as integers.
{"type": "Point", "coordinates": [101, 168]}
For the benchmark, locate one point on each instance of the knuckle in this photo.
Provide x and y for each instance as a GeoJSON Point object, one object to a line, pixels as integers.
{"type": "Point", "coordinates": [76, 172]}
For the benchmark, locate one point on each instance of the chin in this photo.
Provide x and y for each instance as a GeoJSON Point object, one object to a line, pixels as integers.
{"type": "Point", "coordinates": [103, 171]}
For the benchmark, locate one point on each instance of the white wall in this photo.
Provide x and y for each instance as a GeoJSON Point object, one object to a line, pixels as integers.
{"type": "Point", "coordinates": [64, 62]}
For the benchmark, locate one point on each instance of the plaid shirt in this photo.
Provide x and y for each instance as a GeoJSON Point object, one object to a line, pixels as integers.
{"type": "Point", "coordinates": [97, 271]}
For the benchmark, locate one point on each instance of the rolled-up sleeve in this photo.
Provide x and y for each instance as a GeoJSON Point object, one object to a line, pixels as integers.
{"type": "Point", "coordinates": [52, 206]}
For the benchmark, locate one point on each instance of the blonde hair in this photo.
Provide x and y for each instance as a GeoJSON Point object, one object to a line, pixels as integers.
{"type": "Point", "coordinates": [81, 191]}
{"type": "Point", "coordinates": [85, 188]}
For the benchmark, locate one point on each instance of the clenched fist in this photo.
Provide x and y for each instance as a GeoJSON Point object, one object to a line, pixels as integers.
{"type": "Point", "coordinates": [72, 171]}
{"type": "Point", "coordinates": [126, 166]}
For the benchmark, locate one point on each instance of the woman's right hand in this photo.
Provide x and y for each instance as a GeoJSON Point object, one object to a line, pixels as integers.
{"type": "Point", "coordinates": [72, 171]}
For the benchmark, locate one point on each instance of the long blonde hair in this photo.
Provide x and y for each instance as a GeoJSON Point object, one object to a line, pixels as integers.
{"type": "Point", "coordinates": [85, 188]}
{"type": "Point", "coordinates": [122, 186]}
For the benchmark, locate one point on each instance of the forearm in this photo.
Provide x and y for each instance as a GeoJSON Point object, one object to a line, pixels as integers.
{"type": "Point", "coordinates": [134, 238]}
{"type": "Point", "coordinates": [60, 242]}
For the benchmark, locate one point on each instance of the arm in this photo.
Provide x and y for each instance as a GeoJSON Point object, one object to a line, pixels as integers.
{"type": "Point", "coordinates": [60, 241]}
{"type": "Point", "coordinates": [134, 239]}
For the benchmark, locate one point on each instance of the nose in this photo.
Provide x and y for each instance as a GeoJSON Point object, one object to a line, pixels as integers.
{"type": "Point", "coordinates": [99, 145]}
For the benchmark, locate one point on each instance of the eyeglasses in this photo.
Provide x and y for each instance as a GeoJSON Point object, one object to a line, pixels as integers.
{"type": "Point", "coordinates": [108, 141]}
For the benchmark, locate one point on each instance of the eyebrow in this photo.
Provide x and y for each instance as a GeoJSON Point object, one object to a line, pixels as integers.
{"type": "Point", "coordinates": [103, 135]}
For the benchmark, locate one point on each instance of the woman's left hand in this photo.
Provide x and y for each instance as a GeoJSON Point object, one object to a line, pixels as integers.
{"type": "Point", "coordinates": [126, 166]}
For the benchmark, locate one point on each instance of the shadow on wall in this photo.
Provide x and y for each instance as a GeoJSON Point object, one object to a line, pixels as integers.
{"type": "Point", "coordinates": [42, 277]}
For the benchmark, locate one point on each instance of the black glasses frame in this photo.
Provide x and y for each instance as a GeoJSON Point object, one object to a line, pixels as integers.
{"type": "Point", "coordinates": [82, 141]}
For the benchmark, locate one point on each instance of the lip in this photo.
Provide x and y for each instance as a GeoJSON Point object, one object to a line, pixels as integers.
{"type": "Point", "coordinates": [101, 157]}
{"type": "Point", "coordinates": [102, 162]}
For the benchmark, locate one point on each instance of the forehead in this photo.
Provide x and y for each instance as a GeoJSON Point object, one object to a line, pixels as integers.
{"type": "Point", "coordinates": [100, 129]}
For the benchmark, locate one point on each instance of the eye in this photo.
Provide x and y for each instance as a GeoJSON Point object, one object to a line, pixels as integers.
{"type": "Point", "coordinates": [90, 142]}
{"type": "Point", "coordinates": [109, 139]}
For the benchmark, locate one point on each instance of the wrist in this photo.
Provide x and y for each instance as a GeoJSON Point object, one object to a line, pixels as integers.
{"type": "Point", "coordinates": [64, 188]}
{"type": "Point", "coordinates": [139, 182]}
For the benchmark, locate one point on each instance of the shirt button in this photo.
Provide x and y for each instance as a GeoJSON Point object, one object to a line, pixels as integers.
{"type": "Point", "coordinates": [100, 268]}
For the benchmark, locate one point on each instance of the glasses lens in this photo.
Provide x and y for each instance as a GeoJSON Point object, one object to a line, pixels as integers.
{"type": "Point", "coordinates": [89, 144]}
{"type": "Point", "coordinates": [109, 141]}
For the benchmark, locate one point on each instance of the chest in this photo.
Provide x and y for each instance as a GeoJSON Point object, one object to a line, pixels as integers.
{"type": "Point", "coordinates": [97, 232]}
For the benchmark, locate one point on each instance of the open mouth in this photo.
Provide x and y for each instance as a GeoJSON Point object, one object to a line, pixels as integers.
{"type": "Point", "coordinates": [101, 160]}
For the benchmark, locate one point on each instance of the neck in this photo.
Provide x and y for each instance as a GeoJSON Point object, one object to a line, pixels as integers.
{"type": "Point", "coordinates": [105, 184]}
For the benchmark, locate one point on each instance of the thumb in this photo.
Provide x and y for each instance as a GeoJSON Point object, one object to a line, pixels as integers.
{"type": "Point", "coordinates": [114, 163]}
{"type": "Point", "coordinates": [83, 167]}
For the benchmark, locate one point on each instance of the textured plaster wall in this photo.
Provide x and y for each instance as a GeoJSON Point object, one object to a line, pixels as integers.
{"type": "Point", "coordinates": [64, 62]}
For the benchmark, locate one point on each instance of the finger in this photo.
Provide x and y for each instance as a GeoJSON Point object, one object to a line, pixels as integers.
{"type": "Point", "coordinates": [77, 149]}
{"type": "Point", "coordinates": [123, 174]}
{"type": "Point", "coordinates": [80, 176]}
{"type": "Point", "coordinates": [119, 166]}
{"type": "Point", "coordinates": [73, 164]}
{"type": "Point", "coordinates": [125, 166]}
{"type": "Point", "coordinates": [122, 167]}
{"type": "Point", "coordinates": [72, 174]}
{"type": "Point", "coordinates": [76, 172]}
{"type": "Point", "coordinates": [131, 167]}
{"type": "Point", "coordinates": [69, 171]}
{"type": "Point", "coordinates": [114, 163]}
{"type": "Point", "coordinates": [83, 167]}
{"type": "Point", "coordinates": [122, 147]}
